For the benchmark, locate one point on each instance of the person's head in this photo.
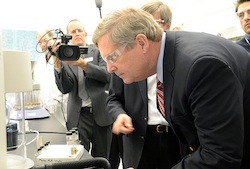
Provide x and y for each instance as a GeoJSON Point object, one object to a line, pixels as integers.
{"type": "Point", "coordinates": [160, 12]}
{"type": "Point", "coordinates": [242, 9]}
{"type": "Point", "coordinates": [76, 29]}
{"type": "Point", "coordinates": [128, 40]}
{"type": "Point", "coordinates": [45, 39]}
{"type": "Point", "coordinates": [177, 28]}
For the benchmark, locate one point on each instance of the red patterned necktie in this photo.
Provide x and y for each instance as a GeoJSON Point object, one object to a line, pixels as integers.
{"type": "Point", "coordinates": [160, 96]}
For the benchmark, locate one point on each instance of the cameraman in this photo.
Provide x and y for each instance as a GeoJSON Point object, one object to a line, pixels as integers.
{"type": "Point", "coordinates": [86, 109]}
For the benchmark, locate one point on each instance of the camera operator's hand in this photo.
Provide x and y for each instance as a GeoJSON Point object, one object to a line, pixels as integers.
{"type": "Point", "coordinates": [80, 62]}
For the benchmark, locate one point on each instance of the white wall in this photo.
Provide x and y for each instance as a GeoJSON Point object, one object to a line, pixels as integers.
{"type": "Point", "coordinates": [212, 16]}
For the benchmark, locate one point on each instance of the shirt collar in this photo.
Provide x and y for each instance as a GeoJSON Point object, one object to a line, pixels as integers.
{"type": "Point", "coordinates": [247, 37]}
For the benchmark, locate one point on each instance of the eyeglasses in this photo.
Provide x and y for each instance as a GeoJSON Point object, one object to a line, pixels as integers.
{"type": "Point", "coordinates": [242, 14]}
{"type": "Point", "coordinates": [43, 41]}
{"type": "Point", "coordinates": [160, 21]}
{"type": "Point", "coordinates": [112, 58]}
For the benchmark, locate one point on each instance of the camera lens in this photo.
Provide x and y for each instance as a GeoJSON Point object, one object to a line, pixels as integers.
{"type": "Point", "coordinates": [68, 51]}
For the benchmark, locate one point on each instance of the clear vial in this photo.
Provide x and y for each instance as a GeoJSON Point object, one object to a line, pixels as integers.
{"type": "Point", "coordinates": [69, 139]}
{"type": "Point", "coordinates": [76, 134]}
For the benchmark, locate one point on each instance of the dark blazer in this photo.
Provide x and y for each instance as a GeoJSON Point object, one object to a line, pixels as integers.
{"type": "Point", "coordinates": [206, 95]}
{"type": "Point", "coordinates": [242, 42]}
{"type": "Point", "coordinates": [135, 103]}
{"type": "Point", "coordinates": [97, 80]}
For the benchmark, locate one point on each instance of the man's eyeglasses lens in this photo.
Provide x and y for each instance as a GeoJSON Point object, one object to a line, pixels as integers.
{"type": "Point", "coordinates": [241, 15]}
{"type": "Point", "coordinates": [111, 58]}
{"type": "Point", "coordinates": [160, 21]}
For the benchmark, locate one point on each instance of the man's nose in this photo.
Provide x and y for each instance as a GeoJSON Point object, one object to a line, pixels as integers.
{"type": "Point", "coordinates": [246, 15]}
{"type": "Point", "coordinates": [43, 46]}
{"type": "Point", "coordinates": [77, 32]}
{"type": "Point", "coordinates": [110, 67]}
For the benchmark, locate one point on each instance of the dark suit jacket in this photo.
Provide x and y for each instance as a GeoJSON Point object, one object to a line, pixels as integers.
{"type": "Point", "coordinates": [97, 80]}
{"type": "Point", "coordinates": [135, 103]}
{"type": "Point", "coordinates": [207, 99]}
{"type": "Point", "coordinates": [242, 42]}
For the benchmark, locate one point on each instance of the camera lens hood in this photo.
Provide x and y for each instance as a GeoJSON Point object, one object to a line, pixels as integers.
{"type": "Point", "coordinates": [68, 52]}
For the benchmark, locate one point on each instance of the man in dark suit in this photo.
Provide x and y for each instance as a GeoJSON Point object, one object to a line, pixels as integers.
{"type": "Point", "coordinates": [205, 80]}
{"type": "Point", "coordinates": [86, 110]}
{"type": "Point", "coordinates": [139, 99]}
{"type": "Point", "coordinates": [242, 9]}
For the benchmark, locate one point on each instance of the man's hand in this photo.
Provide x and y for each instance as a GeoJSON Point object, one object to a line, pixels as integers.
{"type": "Point", "coordinates": [80, 62]}
{"type": "Point", "coordinates": [123, 124]}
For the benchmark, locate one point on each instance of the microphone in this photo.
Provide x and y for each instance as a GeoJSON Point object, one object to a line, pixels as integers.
{"type": "Point", "coordinates": [98, 3]}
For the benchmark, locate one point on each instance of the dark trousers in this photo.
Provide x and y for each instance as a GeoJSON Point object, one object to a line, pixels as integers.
{"type": "Point", "coordinates": [161, 150]}
{"type": "Point", "coordinates": [116, 151]}
{"type": "Point", "coordinates": [99, 137]}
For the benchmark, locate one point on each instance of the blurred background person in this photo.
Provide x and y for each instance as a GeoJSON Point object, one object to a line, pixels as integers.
{"type": "Point", "coordinates": [161, 13]}
{"type": "Point", "coordinates": [51, 98]}
{"type": "Point", "coordinates": [177, 28]}
{"type": "Point", "coordinates": [152, 144]}
{"type": "Point", "coordinates": [86, 81]}
{"type": "Point", "coordinates": [242, 9]}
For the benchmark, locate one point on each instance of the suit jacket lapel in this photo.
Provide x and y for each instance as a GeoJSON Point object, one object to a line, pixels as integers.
{"type": "Point", "coordinates": [168, 67]}
{"type": "Point", "coordinates": [168, 71]}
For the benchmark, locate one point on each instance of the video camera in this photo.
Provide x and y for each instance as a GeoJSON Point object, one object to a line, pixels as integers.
{"type": "Point", "coordinates": [69, 52]}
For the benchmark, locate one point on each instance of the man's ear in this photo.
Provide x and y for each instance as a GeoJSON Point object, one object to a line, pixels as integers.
{"type": "Point", "coordinates": [141, 43]}
{"type": "Point", "coordinates": [142, 40]}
